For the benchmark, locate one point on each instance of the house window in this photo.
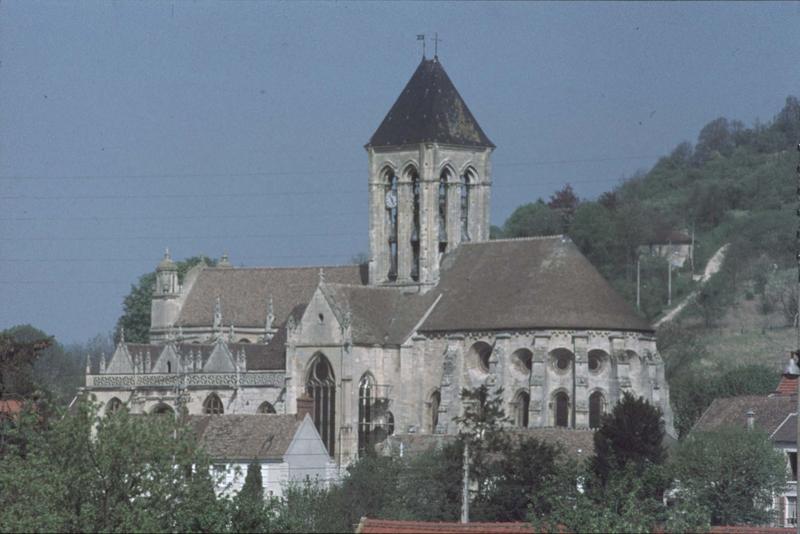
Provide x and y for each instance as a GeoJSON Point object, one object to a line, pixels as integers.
{"type": "Point", "coordinates": [213, 405]}
{"type": "Point", "coordinates": [321, 387]}
{"type": "Point", "coordinates": [366, 395]}
{"type": "Point", "coordinates": [561, 409]}
{"type": "Point", "coordinates": [521, 407]}
{"type": "Point", "coordinates": [791, 511]}
{"type": "Point", "coordinates": [169, 367]}
{"type": "Point", "coordinates": [597, 406]}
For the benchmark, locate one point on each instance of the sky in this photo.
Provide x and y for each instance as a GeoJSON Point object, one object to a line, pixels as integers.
{"type": "Point", "coordinates": [238, 127]}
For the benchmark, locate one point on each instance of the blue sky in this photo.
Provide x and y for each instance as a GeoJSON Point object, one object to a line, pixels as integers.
{"type": "Point", "coordinates": [239, 126]}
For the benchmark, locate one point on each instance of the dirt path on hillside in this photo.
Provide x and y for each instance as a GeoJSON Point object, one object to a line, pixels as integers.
{"type": "Point", "coordinates": [712, 267]}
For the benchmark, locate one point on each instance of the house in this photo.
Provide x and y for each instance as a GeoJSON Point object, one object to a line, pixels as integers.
{"type": "Point", "coordinates": [775, 414]}
{"type": "Point", "coordinates": [673, 245]}
{"type": "Point", "coordinates": [286, 448]}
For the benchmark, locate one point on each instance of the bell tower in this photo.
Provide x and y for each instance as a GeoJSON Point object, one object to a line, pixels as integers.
{"type": "Point", "coordinates": [429, 181]}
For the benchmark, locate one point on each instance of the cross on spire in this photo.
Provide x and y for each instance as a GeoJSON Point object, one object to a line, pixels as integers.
{"type": "Point", "coordinates": [436, 44]}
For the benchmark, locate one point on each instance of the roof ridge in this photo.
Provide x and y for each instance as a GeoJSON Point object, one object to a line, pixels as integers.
{"type": "Point", "coordinates": [267, 268]}
{"type": "Point", "coordinates": [506, 239]}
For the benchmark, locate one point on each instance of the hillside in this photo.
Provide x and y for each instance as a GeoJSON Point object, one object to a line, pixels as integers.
{"type": "Point", "coordinates": [736, 186]}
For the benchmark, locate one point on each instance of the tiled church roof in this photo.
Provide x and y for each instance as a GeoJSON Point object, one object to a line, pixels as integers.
{"type": "Point", "coordinates": [245, 292]}
{"type": "Point", "coordinates": [541, 282]}
{"type": "Point", "coordinates": [429, 110]}
{"type": "Point", "coordinates": [379, 315]}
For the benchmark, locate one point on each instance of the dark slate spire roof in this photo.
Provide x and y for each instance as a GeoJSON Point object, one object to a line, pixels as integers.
{"type": "Point", "coordinates": [429, 110]}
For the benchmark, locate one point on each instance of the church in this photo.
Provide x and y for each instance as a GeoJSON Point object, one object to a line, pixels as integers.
{"type": "Point", "coordinates": [386, 347]}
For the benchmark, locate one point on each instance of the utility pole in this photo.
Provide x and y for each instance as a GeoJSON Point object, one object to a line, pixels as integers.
{"type": "Point", "coordinates": [465, 489]}
{"type": "Point", "coordinates": [638, 283]}
{"type": "Point", "coordinates": [669, 282]}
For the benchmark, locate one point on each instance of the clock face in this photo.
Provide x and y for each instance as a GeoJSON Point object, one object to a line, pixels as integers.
{"type": "Point", "coordinates": [391, 200]}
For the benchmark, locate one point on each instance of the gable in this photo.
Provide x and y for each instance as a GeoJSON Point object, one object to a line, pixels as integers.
{"type": "Point", "coordinates": [319, 324]}
{"type": "Point", "coordinates": [220, 360]}
{"type": "Point", "coordinates": [168, 361]}
{"type": "Point", "coordinates": [306, 445]}
{"type": "Point", "coordinates": [121, 362]}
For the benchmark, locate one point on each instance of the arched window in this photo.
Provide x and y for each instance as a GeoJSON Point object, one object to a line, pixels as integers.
{"type": "Point", "coordinates": [597, 358]}
{"type": "Point", "coordinates": [213, 405]}
{"type": "Point", "coordinates": [467, 183]}
{"type": "Point", "coordinates": [366, 396]}
{"type": "Point", "coordinates": [415, 232]}
{"type": "Point", "coordinates": [266, 407]}
{"type": "Point", "coordinates": [113, 406]}
{"type": "Point", "coordinates": [562, 360]}
{"type": "Point", "coordinates": [389, 423]}
{"type": "Point", "coordinates": [597, 406]}
{"type": "Point", "coordinates": [521, 406]}
{"type": "Point", "coordinates": [321, 387]}
{"type": "Point", "coordinates": [433, 414]}
{"type": "Point", "coordinates": [169, 367]}
{"type": "Point", "coordinates": [163, 409]}
{"type": "Point", "coordinates": [561, 409]}
{"type": "Point", "coordinates": [522, 362]}
{"type": "Point", "coordinates": [391, 221]}
{"type": "Point", "coordinates": [443, 179]}
{"type": "Point", "coordinates": [479, 355]}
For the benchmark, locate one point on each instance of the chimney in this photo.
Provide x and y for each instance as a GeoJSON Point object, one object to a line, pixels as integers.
{"type": "Point", "coordinates": [305, 405]}
{"type": "Point", "coordinates": [751, 420]}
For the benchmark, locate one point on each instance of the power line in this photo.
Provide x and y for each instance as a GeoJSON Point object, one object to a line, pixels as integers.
{"type": "Point", "coordinates": [278, 174]}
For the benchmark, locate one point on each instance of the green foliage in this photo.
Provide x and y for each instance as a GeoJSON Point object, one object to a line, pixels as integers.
{"type": "Point", "coordinates": [532, 219]}
{"type": "Point", "coordinates": [136, 474]}
{"type": "Point", "coordinates": [135, 317]}
{"type": "Point", "coordinates": [630, 437]}
{"type": "Point", "coordinates": [733, 471]}
{"type": "Point", "coordinates": [250, 512]}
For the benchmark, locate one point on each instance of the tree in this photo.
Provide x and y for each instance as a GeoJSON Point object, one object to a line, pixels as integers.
{"type": "Point", "coordinates": [734, 471]}
{"type": "Point", "coordinates": [135, 317]}
{"type": "Point", "coordinates": [19, 349]}
{"type": "Point", "coordinates": [251, 513]}
{"type": "Point", "coordinates": [532, 219]}
{"type": "Point", "coordinates": [565, 202]}
{"type": "Point", "coordinates": [117, 473]}
{"type": "Point", "coordinates": [631, 435]}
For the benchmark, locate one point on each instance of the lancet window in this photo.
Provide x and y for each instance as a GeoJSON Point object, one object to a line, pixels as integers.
{"type": "Point", "coordinates": [521, 407]}
{"type": "Point", "coordinates": [213, 405]}
{"type": "Point", "coordinates": [415, 231]}
{"type": "Point", "coordinates": [443, 179]}
{"type": "Point", "coordinates": [597, 404]}
{"type": "Point", "coordinates": [321, 387]}
{"type": "Point", "coordinates": [366, 397]}
{"type": "Point", "coordinates": [561, 409]}
{"type": "Point", "coordinates": [391, 221]}
{"type": "Point", "coordinates": [467, 184]}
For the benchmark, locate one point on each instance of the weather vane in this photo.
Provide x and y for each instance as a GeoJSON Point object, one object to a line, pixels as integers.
{"type": "Point", "coordinates": [436, 40]}
{"type": "Point", "coordinates": [421, 37]}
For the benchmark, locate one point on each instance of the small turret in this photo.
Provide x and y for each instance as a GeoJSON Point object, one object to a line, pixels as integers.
{"type": "Point", "coordinates": [165, 307]}
{"type": "Point", "coordinates": [167, 276]}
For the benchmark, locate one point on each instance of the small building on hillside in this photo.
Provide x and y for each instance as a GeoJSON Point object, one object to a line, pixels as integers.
{"type": "Point", "coordinates": [775, 414]}
{"type": "Point", "coordinates": [672, 245]}
{"type": "Point", "coordinates": [286, 447]}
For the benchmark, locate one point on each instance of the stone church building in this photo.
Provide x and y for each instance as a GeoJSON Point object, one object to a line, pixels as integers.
{"type": "Point", "coordinates": [387, 346]}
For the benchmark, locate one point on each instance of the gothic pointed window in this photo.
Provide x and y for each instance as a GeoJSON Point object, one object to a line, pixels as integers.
{"type": "Point", "coordinates": [321, 387]}
{"type": "Point", "coordinates": [467, 183]}
{"type": "Point", "coordinates": [366, 397]}
{"type": "Point", "coordinates": [521, 407]}
{"type": "Point", "coordinates": [561, 409]}
{"type": "Point", "coordinates": [596, 409]}
{"type": "Point", "coordinates": [163, 409]}
{"type": "Point", "coordinates": [213, 405]}
{"type": "Point", "coordinates": [391, 221]}
{"type": "Point", "coordinates": [435, 402]}
{"type": "Point", "coordinates": [443, 179]}
{"type": "Point", "coordinates": [113, 406]}
{"type": "Point", "coordinates": [266, 407]}
{"type": "Point", "coordinates": [415, 231]}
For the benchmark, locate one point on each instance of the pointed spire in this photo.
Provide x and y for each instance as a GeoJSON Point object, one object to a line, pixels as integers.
{"type": "Point", "coordinates": [231, 333]}
{"type": "Point", "coordinates": [88, 364]}
{"type": "Point", "coordinates": [321, 275]}
{"type": "Point", "coordinates": [102, 362]}
{"type": "Point", "coordinates": [217, 315]}
{"type": "Point", "coordinates": [122, 335]}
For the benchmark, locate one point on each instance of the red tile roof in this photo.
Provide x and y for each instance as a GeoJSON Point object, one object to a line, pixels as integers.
{"type": "Point", "coordinates": [387, 526]}
{"type": "Point", "coordinates": [747, 529]}
{"type": "Point", "coordinates": [787, 386]}
{"type": "Point", "coordinates": [10, 407]}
